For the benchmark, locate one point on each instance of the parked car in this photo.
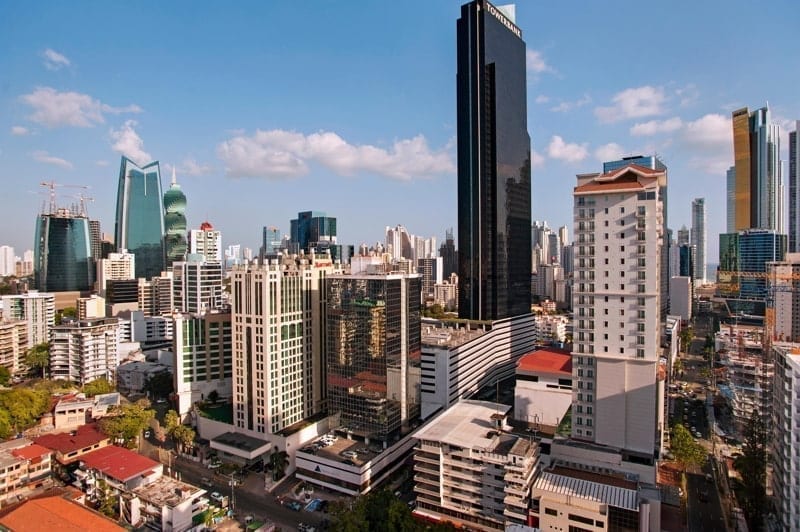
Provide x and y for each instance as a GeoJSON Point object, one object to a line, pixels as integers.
{"type": "Point", "coordinates": [350, 454]}
{"type": "Point", "coordinates": [205, 481]}
{"type": "Point", "coordinates": [216, 496]}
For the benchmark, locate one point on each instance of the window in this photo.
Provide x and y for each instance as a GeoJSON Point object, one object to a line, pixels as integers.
{"type": "Point", "coordinates": [589, 398]}
{"type": "Point", "coordinates": [622, 273]}
{"type": "Point", "coordinates": [605, 349]}
{"type": "Point", "coordinates": [621, 325]}
{"type": "Point", "coordinates": [605, 236]}
{"type": "Point", "coordinates": [622, 248]}
{"type": "Point", "coordinates": [622, 261]}
{"type": "Point", "coordinates": [550, 511]}
{"type": "Point", "coordinates": [622, 209]}
{"type": "Point", "coordinates": [621, 350]}
{"type": "Point", "coordinates": [642, 210]}
{"type": "Point", "coordinates": [606, 223]}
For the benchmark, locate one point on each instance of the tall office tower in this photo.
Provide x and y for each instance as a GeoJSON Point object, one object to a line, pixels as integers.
{"type": "Point", "coordinates": [494, 165]}
{"type": "Point", "coordinates": [117, 267]}
{"type": "Point", "coordinates": [96, 239]}
{"type": "Point", "coordinates": [553, 248]}
{"type": "Point", "coordinates": [698, 239]}
{"type": "Point", "coordinates": [794, 189]}
{"type": "Point", "coordinates": [140, 216]}
{"type": "Point", "coordinates": [785, 447]}
{"type": "Point", "coordinates": [619, 228]}
{"type": "Point", "coordinates": [758, 196]}
{"type": "Point", "coordinates": [399, 242]}
{"type": "Point", "coordinates": [783, 307]}
{"type": "Point", "coordinates": [563, 235]}
{"type": "Point", "coordinates": [686, 261]}
{"type": "Point", "coordinates": [203, 357]}
{"type": "Point", "coordinates": [63, 254]}
{"type": "Point", "coordinates": [84, 350]}
{"type": "Point", "coordinates": [449, 254]}
{"type": "Point", "coordinates": [748, 252]}
{"type": "Point", "coordinates": [278, 335]}
{"type": "Point", "coordinates": [8, 261]}
{"type": "Point", "coordinates": [207, 242]}
{"type": "Point", "coordinates": [154, 295]}
{"type": "Point", "coordinates": [35, 308]}
{"type": "Point", "coordinates": [373, 353]}
{"type": "Point", "coordinates": [271, 241]}
{"type": "Point", "coordinates": [684, 236]}
{"type": "Point", "coordinates": [314, 230]}
{"type": "Point", "coordinates": [174, 222]}
{"type": "Point", "coordinates": [424, 248]}
{"type": "Point", "coordinates": [197, 284]}
{"type": "Point", "coordinates": [730, 189]}
{"type": "Point", "coordinates": [431, 271]}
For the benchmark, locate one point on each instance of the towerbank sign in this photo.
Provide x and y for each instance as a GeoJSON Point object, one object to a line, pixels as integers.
{"type": "Point", "coordinates": [503, 19]}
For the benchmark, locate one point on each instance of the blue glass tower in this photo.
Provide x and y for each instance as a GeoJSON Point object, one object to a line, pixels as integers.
{"type": "Point", "coordinates": [63, 252]}
{"type": "Point", "coordinates": [140, 216]}
{"type": "Point", "coordinates": [175, 223]}
{"type": "Point", "coordinates": [314, 230]}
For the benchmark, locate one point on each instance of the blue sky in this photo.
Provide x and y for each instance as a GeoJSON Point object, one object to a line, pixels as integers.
{"type": "Point", "coordinates": [266, 109]}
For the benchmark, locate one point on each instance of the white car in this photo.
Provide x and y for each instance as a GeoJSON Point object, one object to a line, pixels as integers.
{"type": "Point", "coordinates": [217, 496]}
{"type": "Point", "coordinates": [350, 454]}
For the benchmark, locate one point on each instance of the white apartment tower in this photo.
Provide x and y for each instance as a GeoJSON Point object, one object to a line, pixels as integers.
{"type": "Point", "coordinates": [278, 335]}
{"type": "Point", "coordinates": [699, 239]}
{"type": "Point", "coordinates": [117, 267]}
{"type": "Point", "coordinates": [617, 270]}
{"type": "Point", "coordinates": [37, 309]}
{"type": "Point", "coordinates": [197, 284]}
{"type": "Point", "coordinates": [8, 261]}
{"type": "Point", "coordinates": [85, 350]}
{"type": "Point", "coordinates": [783, 307]}
{"type": "Point", "coordinates": [785, 446]}
{"type": "Point", "coordinates": [206, 241]}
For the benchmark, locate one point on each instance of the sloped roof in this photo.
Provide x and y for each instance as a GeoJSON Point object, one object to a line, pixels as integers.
{"type": "Point", "coordinates": [547, 360]}
{"type": "Point", "coordinates": [56, 513]}
{"type": "Point", "coordinates": [119, 463]}
{"type": "Point", "coordinates": [65, 443]}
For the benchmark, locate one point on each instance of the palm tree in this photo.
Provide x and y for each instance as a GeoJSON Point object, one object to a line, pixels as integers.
{"type": "Point", "coordinates": [38, 356]}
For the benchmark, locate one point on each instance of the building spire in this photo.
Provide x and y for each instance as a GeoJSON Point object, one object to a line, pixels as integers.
{"type": "Point", "coordinates": [174, 181]}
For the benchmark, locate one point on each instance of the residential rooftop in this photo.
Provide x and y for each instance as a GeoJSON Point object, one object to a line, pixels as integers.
{"type": "Point", "coordinates": [119, 463]}
{"type": "Point", "coordinates": [68, 442]}
{"type": "Point", "coordinates": [575, 484]}
{"type": "Point", "coordinates": [450, 334]}
{"type": "Point", "coordinates": [167, 491]}
{"type": "Point", "coordinates": [469, 424]}
{"type": "Point", "coordinates": [55, 513]}
{"type": "Point", "coordinates": [547, 360]}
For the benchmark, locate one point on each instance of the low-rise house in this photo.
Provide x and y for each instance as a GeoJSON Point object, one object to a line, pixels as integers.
{"type": "Point", "coordinates": [166, 503]}
{"type": "Point", "coordinates": [23, 467]}
{"type": "Point", "coordinates": [121, 469]}
{"type": "Point", "coordinates": [69, 447]}
{"type": "Point", "coordinates": [54, 513]}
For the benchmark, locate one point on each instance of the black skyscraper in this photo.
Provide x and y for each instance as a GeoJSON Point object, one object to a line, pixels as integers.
{"type": "Point", "coordinates": [494, 172]}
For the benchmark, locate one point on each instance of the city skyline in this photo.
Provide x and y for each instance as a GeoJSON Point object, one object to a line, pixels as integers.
{"type": "Point", "coordinates": [349, 127]}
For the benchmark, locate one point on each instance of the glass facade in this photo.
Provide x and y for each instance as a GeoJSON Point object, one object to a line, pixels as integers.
{"type": "Point", "coordinates": [63, 253]}
{"type": "Point", "coordinates": [175, 223]}
{"type": "Point", "coordinates": [140, 216]}
{"type": "Point", "coordinates": [374, 354]}
{"type": "Point", "coordinates": [494, 173]}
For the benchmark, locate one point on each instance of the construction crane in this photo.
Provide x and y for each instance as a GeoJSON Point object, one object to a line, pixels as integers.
{"type": "Point", "coordinates": [82, 204]}
{"type": "Point", "coordinates": [52, 186]}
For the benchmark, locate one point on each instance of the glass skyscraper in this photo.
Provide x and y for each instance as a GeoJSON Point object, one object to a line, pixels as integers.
{"type": "Point", "coordinates": [175, 222]}
{"type": "Point", "coordinates": [494, 170]}
{"type": "Point", "coordinates": [794, 189]}
{"type": "Point", "coordinates": [63, 252]}
{"type": "Point", "coordinates": [314, 230]}
{"type": "Point", "coordinates": [140, 216]}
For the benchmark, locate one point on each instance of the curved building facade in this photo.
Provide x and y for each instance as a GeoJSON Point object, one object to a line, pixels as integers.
{"type": "Point", "coordinates": [63, 252]}
{"type": "Point", "coordinates": [140, 216]}
{"type": "Point", "coordinates": [175, 223]}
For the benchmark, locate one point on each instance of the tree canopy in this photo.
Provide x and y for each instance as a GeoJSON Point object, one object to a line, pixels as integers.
{"type": "Point", "coordinates": [378, 511]}
{"type": "Point", "coordinates": [159, 385]}
{"type": "Point", "coordinates": [128, 421]}
{"type": "Point", "coordinates": [686, 451]}
{"type": "Point", "coordinates": [97, 387]}
{"type": "Point", "coordinates": [752, 466]}
{"type": "Point", "coordinates": [5, 376]}
{"type": "Point", "coordinates": [23, 408]}
{"type": "Point", "coordinates": [38, 356]}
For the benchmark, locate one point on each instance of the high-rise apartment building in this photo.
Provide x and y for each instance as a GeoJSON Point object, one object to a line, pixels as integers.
{"type": "Point", "coordinates": [84, 350]}
{"type": "Point", "coordinates": [117, 267]}
{"type": "Point", "coordinates": [96, 239]}
{"type": "Point", "coordinates": [758, 191]}
{"type": "Point", "coordinates": [494, 165]}
{"type": "Point", "coordinates": [373, 353]}
{"type": "Point", "coordinates": [698, 239]}
{"type": "Point", "coordinates": [617, 396]}
{"type": "Point", "coordinates": [155, 296]}
{"type": "Point", "coordinates": [271, 241]}
{"type": "Point", "coordinates": [430, 270]}
{"type": "Point", "coordinates": [13, 345]}
{"type": "Point", "coordinates": [63, 254]}
{"type": "Point", "coordinates": [174, 222]}
{"type": "Point", "coordinates": [785, 447]}
{"type": "Point", "coordinates": [730, 189]}
{"type": "Point", "coordinates": [203, 351]}
{"type": "Point", "coordinates": [794, 189]}
{"type": "Point", "coordinates": [196, 284]}
{"type": "Point", "coordinates": [783, 305]}
{"type": "Point", "coordinates": [8, 261]}
{"type": "Point", "coordinates": [449, 254]}
{"type": "Point", "coordinates": [37, 309]}
{"type": "Point", "coordinates": [207, 242]}
{"type": "Point", "coordinates": [140, 216]}
{"type": "Point", "coordinates": [278, 335]}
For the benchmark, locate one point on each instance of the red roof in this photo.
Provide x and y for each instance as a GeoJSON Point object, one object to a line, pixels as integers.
{"type": "Point", "coordinates": [547, 360]}
{"type": "Point", "coordinates": [56, 513]}
{"type": "Point", "coordinates": [119, 463]}
{"type": "Point", "coordinates": [65, 443]}
{"type": "Point", "coordinates": [626, 177]}
{"type": "Point", "coordinates": [206, 226]}
{"type": "Point", "coordinates": [30, 452]}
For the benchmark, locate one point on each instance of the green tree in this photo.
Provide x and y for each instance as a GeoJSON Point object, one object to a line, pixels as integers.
{"type": "Point", "coordinates": [279, 460]}
{"type": "Point", "coordinates": [159, 385]}
{"type": "Point", "coordinates": [171, 421]}
{"type": "Point", "coordinates": [107, 499]}
{"type": "Point", "coordinates": [6, 430]}
{"type": "Point", "coordinates": [5, 376]}
{"type": "Point", "coordinates": [38, 356]}
{"type": "Point", "coordinates": [213, 396]}
{"type": "Point", "coordinates": [686, 336]}
{"type": "Point", "coordinates": [378, 511]}
{"type": "Point", "coordinates": [24, 406]}
{"type": "Point", "coordinates": [129, 422]}
{"type": "Point", "coordinates": [183, 436]}
{"type": "Point", "coordinates": [752, 466]}
{"type": "Point", "coordinates": [686, 451]}
{"type": "Point", "coordinates": [98, 387]}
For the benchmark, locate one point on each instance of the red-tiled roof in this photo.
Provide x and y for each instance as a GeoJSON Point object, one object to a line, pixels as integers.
{"type": "Point", "coordinates": [56, 513]}
{"type": "Point", "coordinates": [547, 360]}
{"type": "Point", "coordinates": [65, 443]}
{"type": "Point", "coordinates": [119, 463]}
{"type": "Point", "coordinates": [616, 185]}
{"type": "Point", "coordinates": [625, 178]}
{"type": "Point", "coordinates": [30, 452]}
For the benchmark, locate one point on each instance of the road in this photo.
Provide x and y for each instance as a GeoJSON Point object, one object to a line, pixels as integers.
{"type": "Point", "coordinates": [703, 515]}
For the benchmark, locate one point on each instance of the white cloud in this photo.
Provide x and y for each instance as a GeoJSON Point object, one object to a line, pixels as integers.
{"type": "Point", "coordinates": [609, 152]}
{"type": "Point", "coordinates": [55, 109]}
{"type": "Point", "coordinates": [633, 103]}
{"type": "Point", "coordinates": [653, 127]}
{"type": "Point", "coordinates": [189, 167]}
{"type": "Point", "coordinates": [537, 159]}
{"type": "Point", "coordinates": [20, 131]}
{"type": "Point", "coordinates": [542, 99]}
{"type": "Point", "coordinates": [44, 157]}
{"type": "Point", "coordinates": [569, 152]}
{"type": "Point", "coordinates": [536, 63]}
{"type": "Point", "coordinates": [101, 163]}
{"type": "Point", "coordinates": [128, 143]}
{"type": "Point", "coordinates": [687, 95]}
{"type": "Point", "coordinates": [568, 106]}
{"type": "Point", "coordinates": [278, 153]}
{"type": "Point", "coordinates": [709, 143]}
{"type": "Point", "coordinates": [54, 60]}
